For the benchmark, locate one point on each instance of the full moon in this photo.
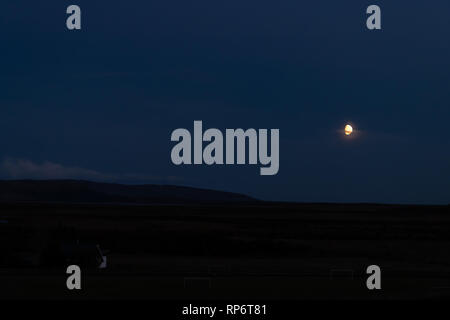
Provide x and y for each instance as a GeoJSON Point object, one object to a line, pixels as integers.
{"type": "Point", "coordinates": [348, 130]}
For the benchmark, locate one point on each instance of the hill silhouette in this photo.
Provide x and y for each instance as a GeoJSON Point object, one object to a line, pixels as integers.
{"type": "Point", "coordinates": [79, 191]}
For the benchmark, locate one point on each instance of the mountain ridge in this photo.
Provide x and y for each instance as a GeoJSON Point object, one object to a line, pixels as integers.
{"type": "Point", "coordinates": [84, 191]}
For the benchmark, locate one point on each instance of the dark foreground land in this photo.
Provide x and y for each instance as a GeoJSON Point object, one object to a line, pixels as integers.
{"type": "Point", "coordinates": [248, 251]}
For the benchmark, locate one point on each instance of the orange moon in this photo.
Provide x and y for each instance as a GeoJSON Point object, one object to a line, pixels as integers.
{"type": "Point", "coordinates": [348, 130]}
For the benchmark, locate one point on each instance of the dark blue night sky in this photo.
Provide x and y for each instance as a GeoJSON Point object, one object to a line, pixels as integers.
{"type": "Point", "coordinates": [101, 103]}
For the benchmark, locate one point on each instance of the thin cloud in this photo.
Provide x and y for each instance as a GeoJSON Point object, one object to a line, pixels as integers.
{"type": "Point", "coordinates": [26, 169]}
{"type": "Point", "coordinates": [11, 168]}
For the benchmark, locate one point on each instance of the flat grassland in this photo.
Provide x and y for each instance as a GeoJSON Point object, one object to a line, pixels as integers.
{"type": "Point", "coordinates": [253, 251]}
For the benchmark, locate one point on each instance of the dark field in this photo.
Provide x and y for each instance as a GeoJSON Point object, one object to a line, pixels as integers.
{"type": "Point", "coordinates": [260, 251]}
